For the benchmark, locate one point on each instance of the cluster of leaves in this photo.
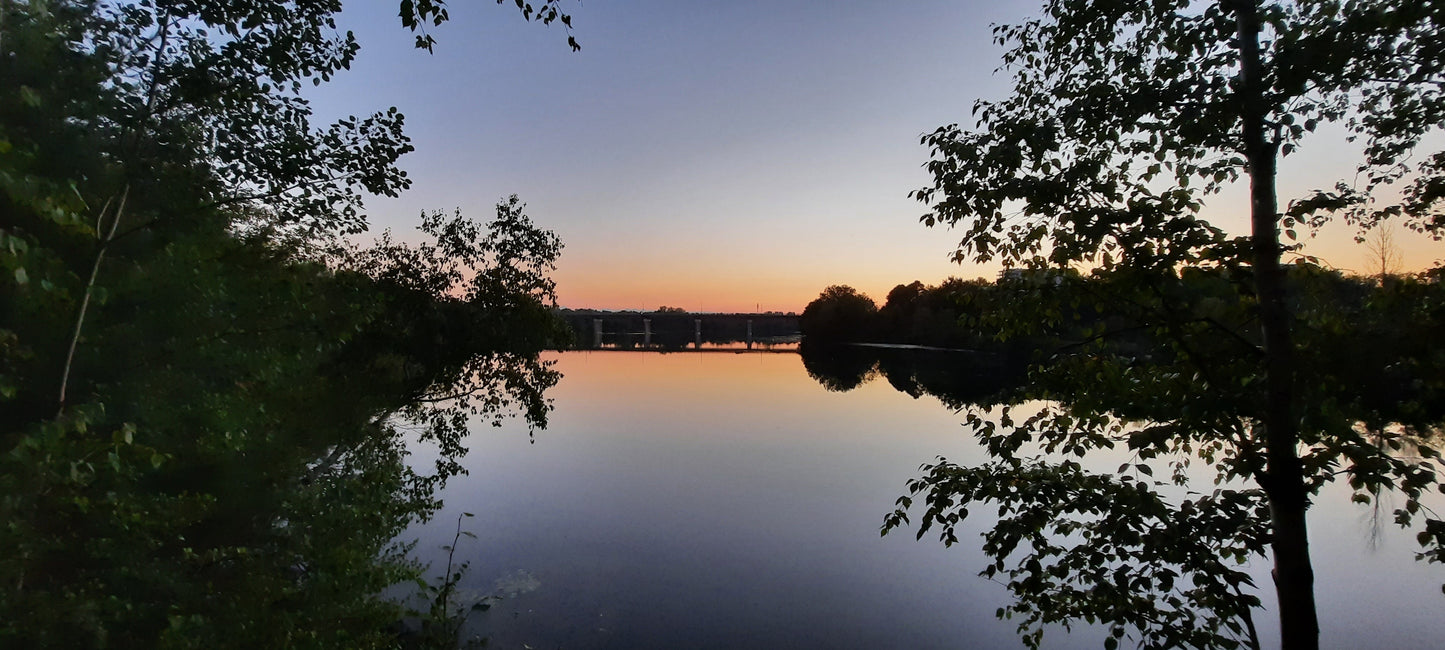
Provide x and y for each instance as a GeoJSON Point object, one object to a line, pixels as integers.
{"type": "Point", "coordinates": [448, 606]}
{"type": "Point", "coordinates": [1163, 368]}
{"type": "Point", "coordinates": [417, 14]}
{"type": "Point", "coordinates": [1381, 64]}
{"type": "Point", "coordinates": [1124, 118]}
{"type": "Point", "coordinates": [206, 399]}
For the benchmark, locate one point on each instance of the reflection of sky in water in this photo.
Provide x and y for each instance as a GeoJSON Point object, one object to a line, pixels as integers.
{"type": "Point", "coordinates": [728, 501]}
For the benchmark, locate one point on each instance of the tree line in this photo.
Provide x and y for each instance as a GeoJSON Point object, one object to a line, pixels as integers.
{"type": "Point", "coordinates": [1026, 313]}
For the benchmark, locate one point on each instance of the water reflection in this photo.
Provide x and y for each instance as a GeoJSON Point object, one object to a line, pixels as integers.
{"type": "Point", "coordinates": [713, 501]}
{"type": "Point", "coordinates": [957, 378]}
{"type": "Point", "coordinates": [840, 368]}
{"type": "Point", "coordinates": [730, 501]}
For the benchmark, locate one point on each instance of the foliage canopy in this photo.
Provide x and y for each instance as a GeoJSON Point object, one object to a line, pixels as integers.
{"type": "Point", "coordinates": [206, 394]}
{"type": "Point", "coordinates": [838, 314]}
{"type": "Point", "coordinates": [1124, 118]}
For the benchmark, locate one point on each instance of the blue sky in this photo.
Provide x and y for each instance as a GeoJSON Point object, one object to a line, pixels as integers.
{"type": "Point", "coordinates": [715, 156]}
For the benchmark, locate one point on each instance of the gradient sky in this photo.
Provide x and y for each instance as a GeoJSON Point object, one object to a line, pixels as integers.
{"type": "Point", "coordinates": [715, 156]}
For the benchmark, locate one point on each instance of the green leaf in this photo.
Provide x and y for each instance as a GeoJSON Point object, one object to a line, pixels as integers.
{"type": "Point", "coordinates": [29, 97]}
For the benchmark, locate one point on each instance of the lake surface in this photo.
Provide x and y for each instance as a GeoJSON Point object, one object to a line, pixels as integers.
{"type": "Point", "coordinates": [693, 500]}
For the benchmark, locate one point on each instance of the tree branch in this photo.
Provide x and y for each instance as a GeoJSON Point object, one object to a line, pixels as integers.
{"type": "Point", "coordinates": [89, 290]}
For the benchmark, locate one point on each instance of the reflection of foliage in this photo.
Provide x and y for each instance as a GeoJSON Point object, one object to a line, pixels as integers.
{"type": "Point", "coordinates": [838, 368]}
{"type": "Point", "coordinates": [956, 379]}
{"type": "Point", "coordinates": [1114, 544]}
{"type": "Point", "coordinates": [225, 466]}
{"type": "Point", "coordinates": [448, 608]}
{"type": "Point", "coordinates": [899, 373]}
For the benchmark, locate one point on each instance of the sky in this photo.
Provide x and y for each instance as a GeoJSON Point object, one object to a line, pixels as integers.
{"type": "Point", "coordinates": [716, 156]}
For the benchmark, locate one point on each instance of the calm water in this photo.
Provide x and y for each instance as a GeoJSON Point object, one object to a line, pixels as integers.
{"type": "Point", "coordinates": [729, 501]}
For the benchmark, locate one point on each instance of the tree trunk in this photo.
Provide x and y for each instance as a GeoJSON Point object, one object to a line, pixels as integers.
{"type": "Point", "coordinates": [1288, 500]}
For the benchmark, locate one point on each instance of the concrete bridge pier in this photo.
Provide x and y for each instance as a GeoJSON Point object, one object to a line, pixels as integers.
{"type": "Point", "coordinates": [697, 333]}
{"type": "Point", "coordinates": [597, 332]}
{"type": "Point", "coordinates": [647, 332]}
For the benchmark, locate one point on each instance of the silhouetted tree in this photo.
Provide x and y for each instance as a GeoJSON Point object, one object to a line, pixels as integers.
{"type": "Point", "coordinates": [1124, 117]}
{"type": "Point", "coordinates": [839, 314]}
{"type": "Point", "coordinates": [896, 318]}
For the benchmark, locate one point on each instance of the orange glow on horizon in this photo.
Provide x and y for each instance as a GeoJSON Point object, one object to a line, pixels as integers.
{"type": "Point", "coordinates": [621, 287]}
{"type": "Point", "coordinates": [722, 295]}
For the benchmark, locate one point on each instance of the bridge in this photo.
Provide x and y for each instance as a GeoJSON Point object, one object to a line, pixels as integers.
{"type": "Point", "coordinates": [599, 330]}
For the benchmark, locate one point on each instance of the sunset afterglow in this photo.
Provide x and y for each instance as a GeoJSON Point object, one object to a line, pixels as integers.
{"type": "Point", "coordinates": [719, 157]}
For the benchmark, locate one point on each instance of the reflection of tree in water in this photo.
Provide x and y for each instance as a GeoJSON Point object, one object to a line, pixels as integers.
{"type": "Point", "coordinates": [839, 368]}
{"type": "Point", "coordinates": [956, 378]}
{"type": "Point", "coordinates": [900, 372]}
